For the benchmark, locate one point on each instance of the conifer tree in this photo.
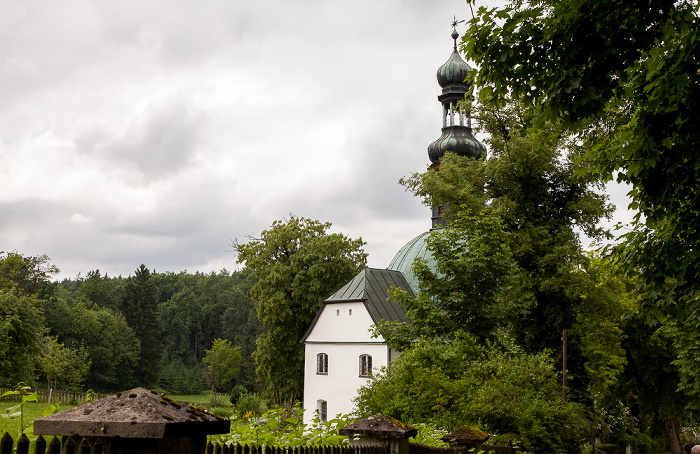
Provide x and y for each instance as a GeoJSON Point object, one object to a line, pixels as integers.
{"type": "Point", "coordinates": [140, 308]}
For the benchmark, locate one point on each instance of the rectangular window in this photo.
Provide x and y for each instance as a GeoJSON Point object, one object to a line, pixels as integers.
{"type": "Point", "coordinates": [365, 365]}
{"type": "Point", "coordinates": [323, 410]}
{"type": "Point", "coordinates": [322, 363]}
{"type": "Point", "coordinates": [349, 311]}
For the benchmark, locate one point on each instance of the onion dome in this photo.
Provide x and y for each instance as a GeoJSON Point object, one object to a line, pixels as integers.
{"type": "Point", "coordinates": [454, 70]}
{"type": "Point", "coordinates": [456, 124]}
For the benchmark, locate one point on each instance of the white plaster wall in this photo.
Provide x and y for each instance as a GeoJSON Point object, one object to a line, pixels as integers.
{"type": "Point", "coordinates": [335, 324]}
{"type": "Point", "coordinates": [340, 385]}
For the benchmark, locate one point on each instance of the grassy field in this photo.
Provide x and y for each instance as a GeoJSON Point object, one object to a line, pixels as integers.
{"type": "Point", "coordinates": [32, 411]}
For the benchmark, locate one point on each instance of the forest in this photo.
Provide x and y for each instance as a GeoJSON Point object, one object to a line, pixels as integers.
{"type": "Point", "coordinates": [111, 333]}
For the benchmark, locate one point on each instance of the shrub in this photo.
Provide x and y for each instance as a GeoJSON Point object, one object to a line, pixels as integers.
{"type": "Point", "coordinates": [251, 404]}
{"type": "Point", "coordinates": [498, 388]}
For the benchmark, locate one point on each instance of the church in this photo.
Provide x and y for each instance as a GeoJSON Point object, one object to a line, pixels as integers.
{"type": "Point", "coordinates": [340, 352]}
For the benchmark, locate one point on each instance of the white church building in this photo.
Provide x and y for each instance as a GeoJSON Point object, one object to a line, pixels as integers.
{"type": "Point", "coordinates": [340, 352]}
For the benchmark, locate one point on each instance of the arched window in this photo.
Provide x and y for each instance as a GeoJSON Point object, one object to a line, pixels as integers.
{"type": "Point", "coordinates": [365, 365]}
{"type": "Point", "coordinates": [322, 363]}
{"type": "Point", "coordinates": [322, 407]}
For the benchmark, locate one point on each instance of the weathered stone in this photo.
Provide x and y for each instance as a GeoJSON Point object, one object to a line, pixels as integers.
{"type": "Point", "coordinates": [466, 435]}
{"type": "Point", "coordinates": [138, 413]}
{"type": "Point", "coordinates": [379, 426]}
{"type": "Point", "coordinates": [380, 430]}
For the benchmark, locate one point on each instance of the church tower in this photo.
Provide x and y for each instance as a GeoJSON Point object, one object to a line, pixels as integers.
{"type": "Point", "coordinates": [456, 138]}
{"type": "Point", "coordinates": [456, 122]}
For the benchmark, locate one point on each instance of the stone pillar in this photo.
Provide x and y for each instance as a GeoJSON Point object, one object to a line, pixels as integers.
{"type": "Point", "coordinates": [136, 421]}
{"type": "Point", "coordinates": [467, 436]}
{"type": "Point", "coordinates": [380, 430]}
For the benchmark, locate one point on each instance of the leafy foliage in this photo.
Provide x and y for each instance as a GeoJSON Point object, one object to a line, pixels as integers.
{"type": "Point", "coordinates": [221, 363]}
{"type": "Point", "coordinates": [297, 264]}
{"type": "Point", "coordinates": [283, 426]}
{"type": "Point", "coordinates": [61, 363]}
{"type": "Point", "coordinates": [30, 274]}
{"type": "Point", "coordinates": [628, 72]}
{"type": "Point", "coordinates": [499, 388]}
{"type": "Point", "coordinates": [469, 288]}
{"type": "Point", "coordinates": [111, 345]}
{"type": "Point", "coordinates": [21, 333]}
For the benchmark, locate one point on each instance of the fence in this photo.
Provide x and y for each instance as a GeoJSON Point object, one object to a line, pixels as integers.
{"type": "Point", "coordinates": [420, 449]}
{"type": "Point", "coordinates": [63, 396]}
{"type": "Point", "coordinates": [213, 448]}
{"type": "Point", "coordinates": [69, 445]}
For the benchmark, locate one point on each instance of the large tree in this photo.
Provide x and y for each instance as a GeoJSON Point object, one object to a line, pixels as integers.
{"type": "Point", "coordinates": [30, 274]}
{"type": "Point", "coordinates": [140, 308]}
{"type": "Point", "coordinates": [298, 263]}
{"type": "Point", "coordinates": [628, 72]}
{"type": "Point", "coordinates": [21, 331]}
{"type": "Point", "coordinates": [528, 181]}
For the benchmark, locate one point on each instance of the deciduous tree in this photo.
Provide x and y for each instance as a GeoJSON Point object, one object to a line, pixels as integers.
{"type": "Point", "coordinates": [21, 332]}
{"type": "Point", "coordinates": [297, 264]}
{"type": "Point", "coordinates": [221, 363]}
{"type": "Point", "coordinates": [628, 72]}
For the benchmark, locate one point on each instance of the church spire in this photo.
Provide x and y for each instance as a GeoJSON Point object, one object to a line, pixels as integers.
{"type": "Point", "coordinates": [456, 125]}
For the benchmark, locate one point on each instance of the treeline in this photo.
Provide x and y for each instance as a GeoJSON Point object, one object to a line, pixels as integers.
{"type": "Point", "coordinates": [110, 333]}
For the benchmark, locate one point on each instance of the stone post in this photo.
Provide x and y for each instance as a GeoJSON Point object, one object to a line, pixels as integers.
{"type": "Point", "coordinates": [467, 436]}
{"type": "Point", "coordinates": [380, 430]}
{"type": "Point", "coordinates": [136, 421]}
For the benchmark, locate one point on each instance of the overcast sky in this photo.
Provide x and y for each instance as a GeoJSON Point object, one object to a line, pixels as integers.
{"type": "Point", "coordinates": [156, 132]}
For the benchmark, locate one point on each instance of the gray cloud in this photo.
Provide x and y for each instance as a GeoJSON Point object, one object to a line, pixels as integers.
{"type": "Point", "coordinates": [157, 132]}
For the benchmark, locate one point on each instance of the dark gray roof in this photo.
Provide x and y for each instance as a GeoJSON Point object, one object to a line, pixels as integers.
{"type": "Point", "coordinates": [371, 286]}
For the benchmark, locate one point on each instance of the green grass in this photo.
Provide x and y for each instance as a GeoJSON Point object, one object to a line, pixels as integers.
{"type": "Point", "coordinates": [32, 411]}
{"type": "Point", "coordinates": [194, 398]}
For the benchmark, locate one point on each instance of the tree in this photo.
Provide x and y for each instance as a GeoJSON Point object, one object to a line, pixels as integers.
{"type": "Point", "coordinates": [528, 182]}
{"type": "Point", "coordinates": [473, 287]}
{"type": "Point", "coordinates": [21, 332]}
{"type": "Point", "coordinates": [221, 364]}
{"type": "Point", "coordinates": [297, 264]}
{"type": "Point", "coordinates": [63, 363]}
{"type": "Point", "coordinates": [499, 388]}
{"type": "Point", "coordinates": [113, 348]}
{"type": "Point", "coordinates": [140, 308]}
{"type": "Point", "coordinates": [31, 274]}
{"type": "Point", "coordinates": [628, 73]}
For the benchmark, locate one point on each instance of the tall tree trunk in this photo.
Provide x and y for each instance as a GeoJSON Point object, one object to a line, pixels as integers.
{"type": "Point", "coordinates": [672, 435]}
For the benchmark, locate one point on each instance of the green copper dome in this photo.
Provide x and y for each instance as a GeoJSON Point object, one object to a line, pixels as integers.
{"type": "Point", "coordinates": [454, 70]}
{"type": "Point", "coordinates": [403, 260]}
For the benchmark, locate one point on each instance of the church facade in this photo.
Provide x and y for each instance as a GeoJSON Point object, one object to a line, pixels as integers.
{"type": "Point", "coordinates": [341, 352]}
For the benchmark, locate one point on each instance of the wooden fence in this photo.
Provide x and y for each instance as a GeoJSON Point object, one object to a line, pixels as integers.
{"type": "Point", "coordinates": [70, 445]}
{"type": "Point", "coordinates": [63, 396]}
{"type": "Point", "coordinates": [214, 448]}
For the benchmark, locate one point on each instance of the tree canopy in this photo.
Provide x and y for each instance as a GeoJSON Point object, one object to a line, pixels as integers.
{"type": "Point", "coordinates": [626, 74]}
{"type": "Point", "coordinates": [298, 263]}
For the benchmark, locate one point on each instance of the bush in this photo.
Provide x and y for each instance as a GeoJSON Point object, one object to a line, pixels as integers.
{"type": "Point", "coordinates": [236, 393]}
{"type": "Point", "coordinates": [251, 404]}
{"type": "Point", "coordinates": [499, 389]}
